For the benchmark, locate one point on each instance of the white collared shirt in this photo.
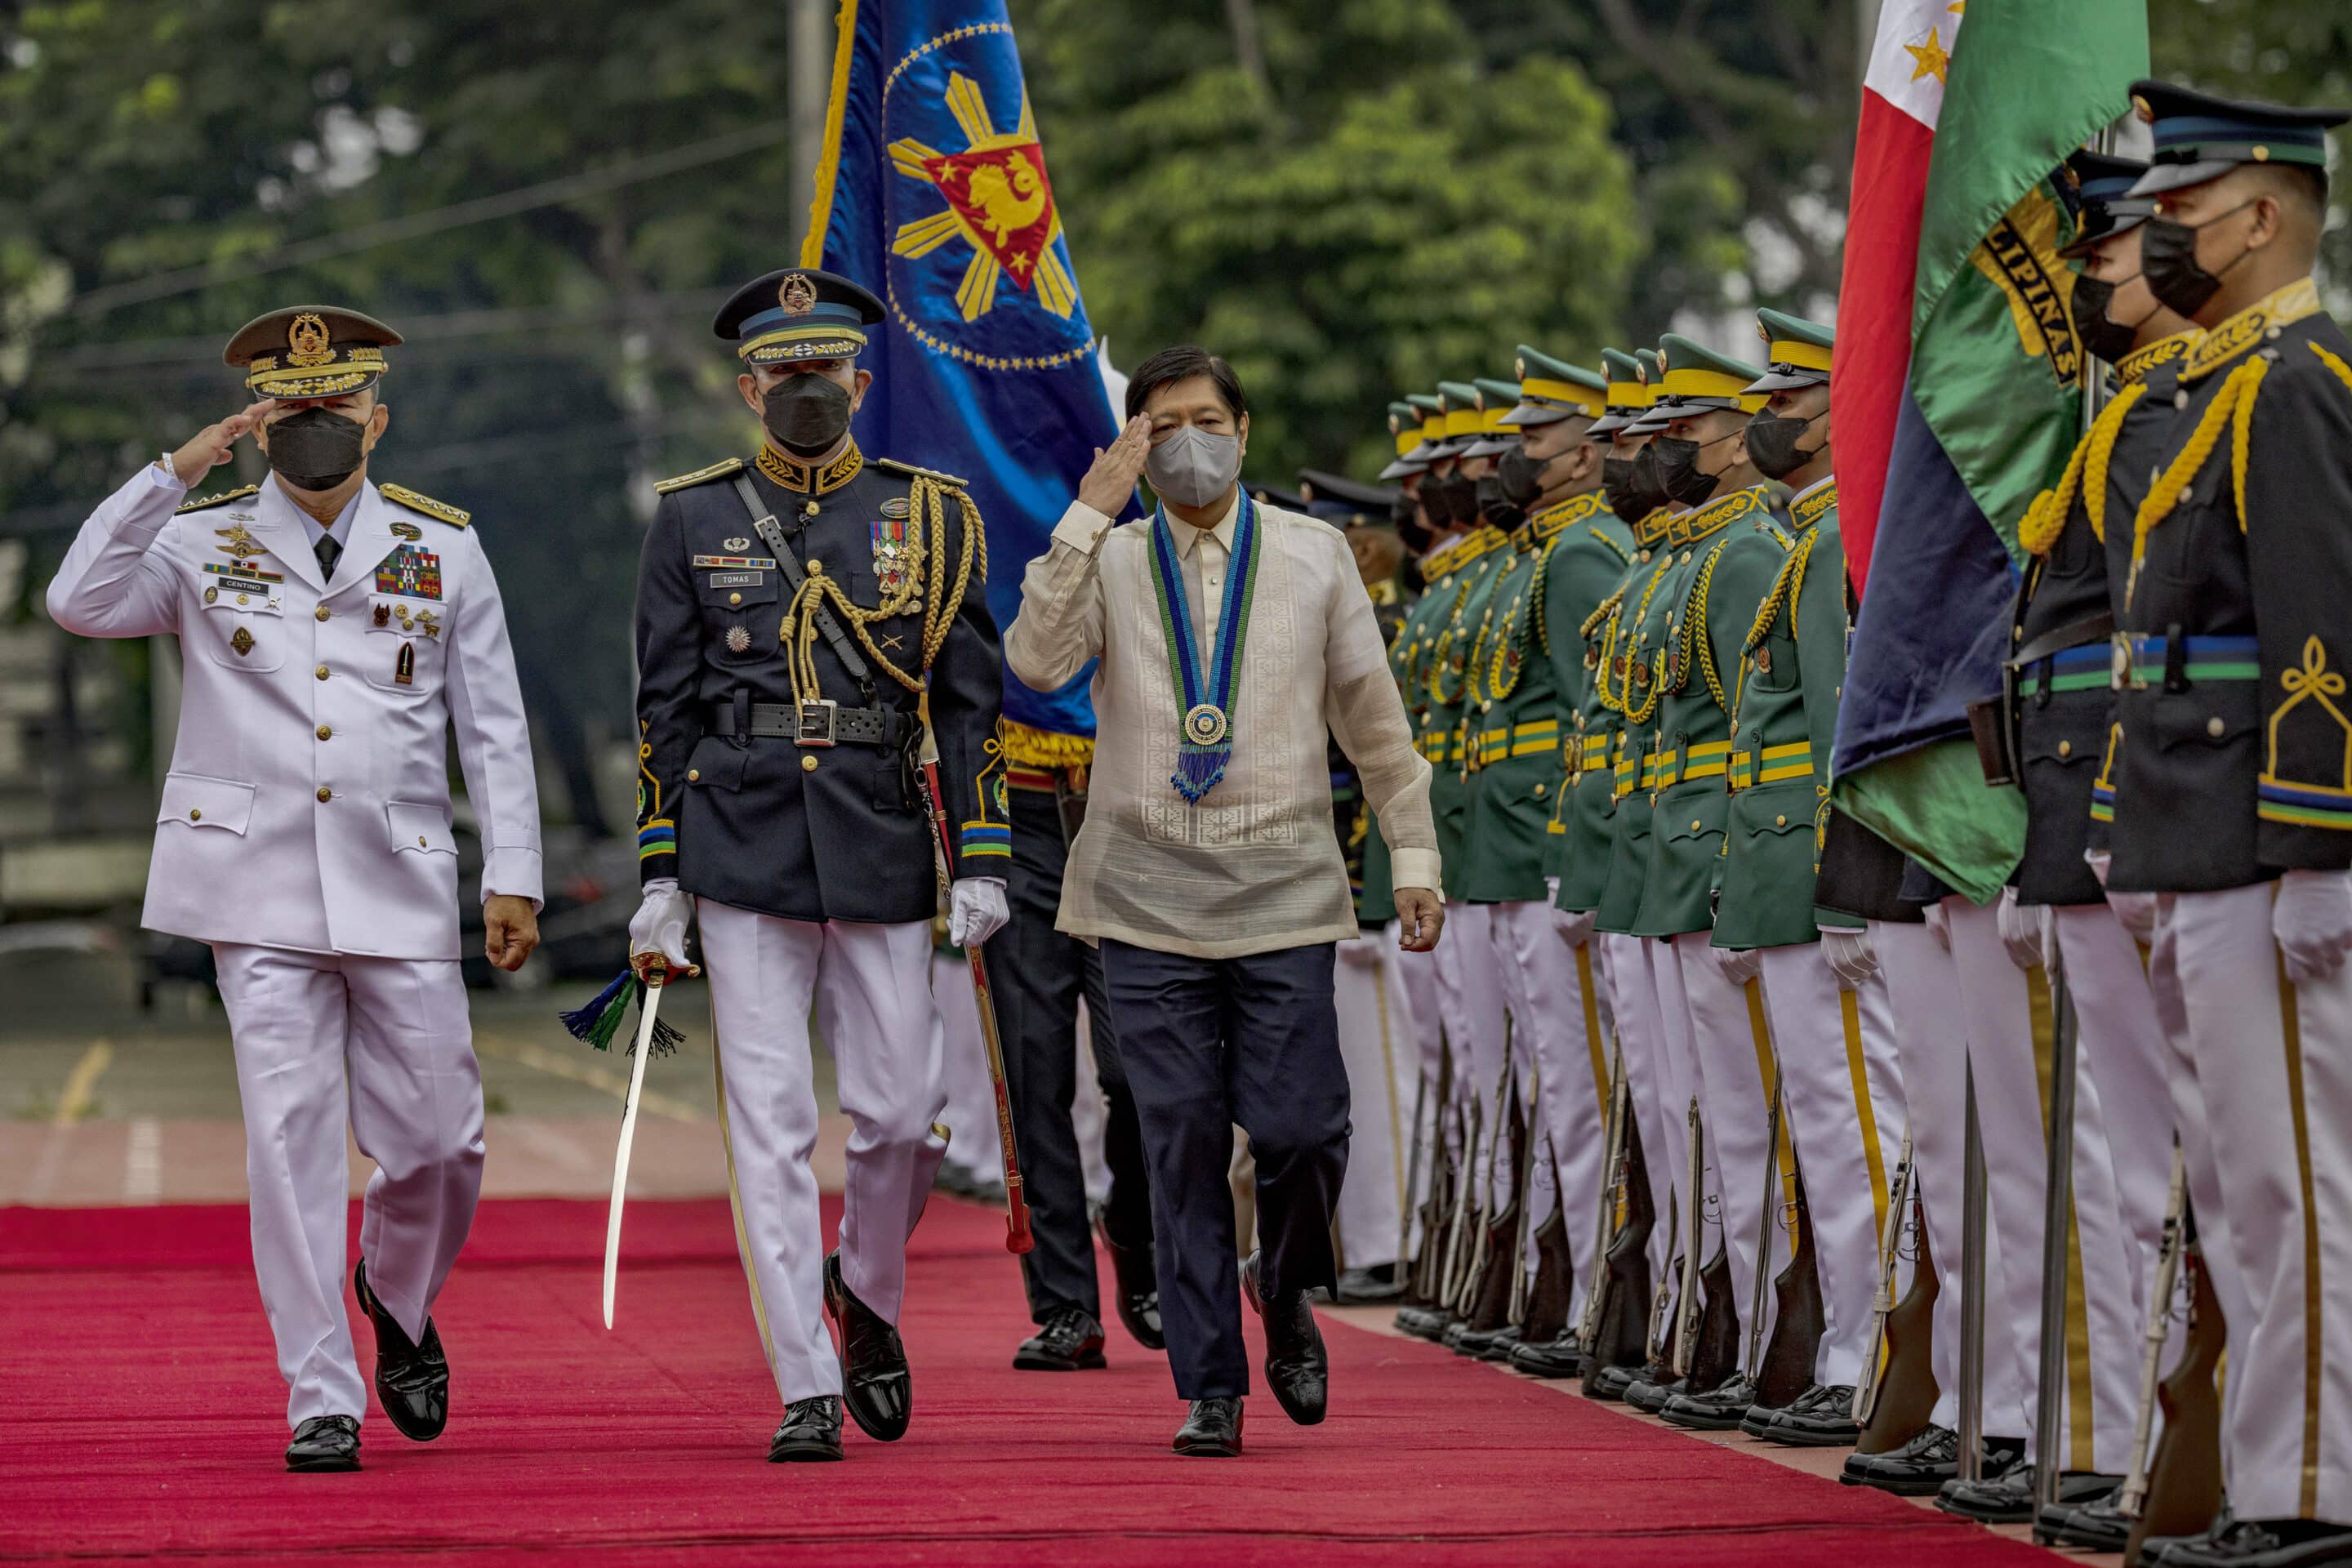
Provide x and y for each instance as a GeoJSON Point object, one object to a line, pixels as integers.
{"type": "Point", "coordinates": [1254, 865]}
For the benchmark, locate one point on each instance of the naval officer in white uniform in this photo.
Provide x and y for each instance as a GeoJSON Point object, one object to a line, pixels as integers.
{"type": "Point", "coordinates": [332, 630]}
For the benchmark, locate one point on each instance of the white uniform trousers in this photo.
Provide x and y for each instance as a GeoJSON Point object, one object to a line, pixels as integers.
{"type": "Point", "coordinates": [1731, 1048]}
{"type": "Point", "coordinates": [1409, 982]}
{"type": "Point", "coordinates": [1470, 999]}
{"type": "Point", "coordinates": [1651, 1082]}
{"type": "Point", "coordinates": [2273, 1065]}
{"type": "Point", "coordinates": [869, 984]}
{"type": "Point", "coordinates": [1370, 1210]}
{"type": "Point", "coordinates": [2012, 1030]}
{"type": "Point", "coordinates": [1842, 1104]}
{"type": "Point", "coordinates": [389, 1037]}
{"type": "Point", "coordinates": [1553, 992]}
{"type": "Point", "coordinates": [1931, 1033]}
{"type": "Point", "coordinates": [971, 1112]}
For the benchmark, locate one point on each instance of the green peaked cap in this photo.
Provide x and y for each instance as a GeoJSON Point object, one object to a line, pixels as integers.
{"type": "Point", "coordinates": [1697, 380]}
{"type": "Point", "coordinates": [1799, 349]}
{"type": "Point", "coordinates": [1551, 390]}
{"type": "Point", "coordinates": [1628, 392]}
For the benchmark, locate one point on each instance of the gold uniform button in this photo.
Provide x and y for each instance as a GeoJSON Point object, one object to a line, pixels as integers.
{"type": "Point", "coordinates": [2214, 727]}
{"type": "Point", "coordinates": [244, 599]}
{"type": "Point", "coordinates": [2180, 399]}
{"type": "Point", "coordinates": [326, 794]}
{"type": "Point", "coordinates": [195, 813]}
{"type": "Point", "coordinates": [324, 613]}
{"type": "Point", "coordinates": [420, 841]}
{"type": "Point", "coordinates": [1539, 791]}
{"type": "Point", "coordinates": [734, 598]}
{"type": "Point", "coordinates": [1780, 822]}
{"type": "Point", "coordinates": [808, 765]}
{"type": "Point", "coordinates": [1694, 827]}
{"type": "Point", "coordinates": [326, 732]}
{"type": "Point", "coordinates": [322, 673]}
{"type": "Point", "coordinates": [2065, 748]}
{"type": "Point", "coordinates": [693, 775]}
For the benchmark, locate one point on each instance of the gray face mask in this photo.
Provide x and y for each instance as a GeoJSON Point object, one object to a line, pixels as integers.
{"type": "Point", "coordinates": [1192, 467]}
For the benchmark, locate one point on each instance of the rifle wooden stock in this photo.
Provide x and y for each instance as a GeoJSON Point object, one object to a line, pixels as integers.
{"type": "Point", "coordinates": [1906, 1389]}
{"type": "Point", "coordinates": [2134, 1496]}
{"type": "Point", "coordinates": [2184, 1479]}
{"type": "Point", "coordinates": [1786, 1368]}
{"type": "Point", "coordinates": [1619, 1335]}
{"type": "Point", "coordinates": [1487, 1298]}
{"type": "Point", "coordinates": [1686, 1316]}
{"type": "Point", "coordinates": [1545, 1316]}
{"type": "Point", "coordinates": [1714, 1344]}
{"type": "Point", "coordinates": [1612, 1198]}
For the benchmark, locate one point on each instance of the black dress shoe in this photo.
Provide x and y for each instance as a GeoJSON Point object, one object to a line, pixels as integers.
{"type": "Point", "coordinates": [1369, 1287]}
{"type": "Point", "coordinates": [1916, 1468]}
{"type": "Point", "coordinates": [2008, 1499]}
{"type": "Point", "coordinates": [1212, 1431]}
{"type": "Point", "coordinates": [1562, 1357]}
{"type": "Point", "coordinates": [1821, 1417]}
{"type": "Point", "coordinates": [325, 1443]}
{"type": "Point", "coordinates": [2265, 1543]}
{"type": "Point", "coordinates": [1416, 1322]}
{"type": "Point", "coordinates": [2157, 1550]}
{"type": "Point", "coordinates": [811, 1431]}
{"type": "Point", "coordinates": [1614, 1382]}
{"type": "Point", "coordinates": [2098, 1525]}
{"type": "Point", "coordinates": [1717, 1410]}
{"type": "Point", "coordinates": [1649, 1395]}
{"type": "Point", "coordinates": [875, 1384]}
{"type": "Point", "coordinates": [1499, 1348]}
{"type": "Point", "coordinates": [1137, 1297]}
{"type": "Point", "coordinates": [412, 1380]}
{"type": "Point", "coordinates": [1297, 1369]}
{"type": "Point", "coordinates": [1070, 1341]}
{"type": "Point", "coordinates": [1477, 1344]}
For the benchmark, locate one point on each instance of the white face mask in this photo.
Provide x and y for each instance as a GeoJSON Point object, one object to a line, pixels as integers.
{"type": "Point", "coordinates": [1194, 467]}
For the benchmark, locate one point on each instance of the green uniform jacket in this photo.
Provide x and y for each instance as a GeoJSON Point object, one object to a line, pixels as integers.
{"type": "Point", "coordinates": [2232, 756]}
{"type": "Point", "coordinates": [1589, 553]}
{"type": "Point", "coordinates": [1632, 664]}
{"type": "Point", "coordinates": [1363, 845]}
{"type": "Point", "coordinates": [1445, 671]}
{"type": "Point", "coordinates": [1587, 829]}
{"type": "Point", "coordinates": [1691, 723]}
{"type": "Point", "coordinates": [1786, 638]}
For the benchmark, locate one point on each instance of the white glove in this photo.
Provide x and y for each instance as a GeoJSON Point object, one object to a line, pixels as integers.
{"type": "Point", "coordinates": [2024, 931]}
{"type": "Point", "coordinates": [2313, 922]}
{"type": "Point", "coordinates": [1847, 950]}
{"type": "Point", "coordinates": [659, 924]}
{"type": "Point", "coordinates": [1551, 890]}
{"type": "Point", "coordinates": [1361, 952]}
{"type": "Point", "coordinates": [1737, 967]}
{"type": "Point", "coordinates": [1939, 924]}
{"type": "Point", "coordinates": [976, 910]}
{"type": "Point", "coordinates": [1574, 926]}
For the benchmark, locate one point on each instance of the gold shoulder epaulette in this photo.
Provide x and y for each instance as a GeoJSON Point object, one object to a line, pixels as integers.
{"type": "Point", "coordinates": [199, 504]}
{"type": "Point", "coordinates": [718, 470]}
{"type": "Point", "coordinates": [426, 504]}
{"type": "Point", "coordinates": [909, 469]}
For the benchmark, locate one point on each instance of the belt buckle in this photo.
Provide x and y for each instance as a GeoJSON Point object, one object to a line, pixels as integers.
{"type": "Point", "coordinates": [813, 723]}
{"type": "Point", "coordinates": [2122, 673]}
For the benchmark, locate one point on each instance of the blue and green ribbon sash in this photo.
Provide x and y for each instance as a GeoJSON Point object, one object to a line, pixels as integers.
{"type": "Point", "coordinates": [1204, 740]}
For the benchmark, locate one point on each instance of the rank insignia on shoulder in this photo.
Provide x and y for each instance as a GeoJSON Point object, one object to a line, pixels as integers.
{"type": "Point", "coordinates": [404, 495]}
{"type": "Point", "coordinates": [894, 466]}
{"type": "Point", "coordinates": [221, 499]}
{"type": "Point", "coordinates": [718, 470]}
{"type": "Point", "coordinates": [406, 531]}
{"type": "Point", "coordinates": [897, 507]}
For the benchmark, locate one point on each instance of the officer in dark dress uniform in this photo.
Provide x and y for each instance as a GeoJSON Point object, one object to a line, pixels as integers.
{"type": "Point", "coordinates": [792, 613]}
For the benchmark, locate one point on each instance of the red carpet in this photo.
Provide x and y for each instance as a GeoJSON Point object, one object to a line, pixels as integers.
{"type": "Point", "coordinates": [143, 1420]}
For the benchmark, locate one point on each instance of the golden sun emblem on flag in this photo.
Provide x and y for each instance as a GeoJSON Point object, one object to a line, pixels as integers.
{"type": "Point", "coordinates": [999, 203]}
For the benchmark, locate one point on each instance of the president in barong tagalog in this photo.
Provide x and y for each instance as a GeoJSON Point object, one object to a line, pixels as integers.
{"type": "Point", "coordinates": [1234, 637]}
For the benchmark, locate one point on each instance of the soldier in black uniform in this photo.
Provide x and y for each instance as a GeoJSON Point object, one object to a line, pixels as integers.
{"type": "Point", "coordinates": [2231, 770]}
{"type": "Point", "coordinates": [791, 613]}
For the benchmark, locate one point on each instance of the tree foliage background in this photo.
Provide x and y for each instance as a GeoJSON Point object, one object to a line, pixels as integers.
{"type": "Point", "coordinates": [1350, 197]}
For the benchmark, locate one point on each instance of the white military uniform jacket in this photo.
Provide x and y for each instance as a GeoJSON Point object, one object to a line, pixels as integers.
{"type": "Point", "coordinates": [307, 804]}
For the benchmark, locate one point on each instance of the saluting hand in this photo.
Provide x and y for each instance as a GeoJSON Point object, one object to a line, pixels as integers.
{"type": "Point", "coordinates": [210, 448]}
{"type": "Point", "coordinates": [1111, 483]}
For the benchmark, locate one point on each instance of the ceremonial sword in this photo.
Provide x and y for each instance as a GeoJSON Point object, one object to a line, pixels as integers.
{"type": "Point", "coordinates": [657, 974]}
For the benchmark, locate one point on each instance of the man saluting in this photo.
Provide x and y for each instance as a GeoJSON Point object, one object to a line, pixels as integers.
{"type": "Point", "coordinates": [331, 630]}
{"type": "Point", "coordinates": [1234, 637]}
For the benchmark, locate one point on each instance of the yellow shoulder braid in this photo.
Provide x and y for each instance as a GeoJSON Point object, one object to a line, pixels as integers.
{"type": "Point", "coordinates": [224, 496]}
{"type": "Point", "coordinates": [426, 504]}
{"type": "Point", "coordinates": [718, 470]}
{"type": "Point", "coordinates": [895, 466]}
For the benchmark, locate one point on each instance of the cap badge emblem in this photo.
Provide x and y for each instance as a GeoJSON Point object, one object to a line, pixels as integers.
{"type": "Point", "coordinates": [796, 294]}
{"type": "Point", "coordinates": [307, 340]}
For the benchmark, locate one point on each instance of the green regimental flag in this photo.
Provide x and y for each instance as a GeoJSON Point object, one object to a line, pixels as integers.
{"type": "Point", "coordinates": [1996, 378]}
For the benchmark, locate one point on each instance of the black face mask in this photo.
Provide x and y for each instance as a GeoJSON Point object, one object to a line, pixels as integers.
{"type": "Point", "coordinates": [1495, 508]}
{"type": "Point", "coordinates": [806, 414]}
{"type": "Point", "coordinates": [2168, 259]}
{"type": "Point", "coordinates": [1406, 514]}
{"type": "Point", "coordinates": [1522, 478]}
{"type": "Point", "coordinates": [1451, 501]}
{"type": "Point", "coordinates": [316, 448]}
{"type": "Point", "coordinates": [2103, 336]}
{"type": "Point", "coordinates": [1772, 444]}
{"type": "Point", "coordinates": [1622, 487]}
{"type": "Point", "coordinates": [1677, 460]}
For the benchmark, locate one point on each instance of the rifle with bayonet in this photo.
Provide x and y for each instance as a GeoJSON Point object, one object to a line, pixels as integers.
{"type": "Point", "coordinates": [1896, 1397]}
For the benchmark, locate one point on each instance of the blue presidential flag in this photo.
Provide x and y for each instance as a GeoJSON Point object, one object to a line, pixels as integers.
{"type": "Point", "coordinates": [932, 191]}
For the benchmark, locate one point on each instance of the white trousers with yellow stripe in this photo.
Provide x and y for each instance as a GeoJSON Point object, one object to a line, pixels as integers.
{"type": "Point", "coordinates": [2011, 1031]}
{"type": "Point", "coordinates": [869, 985]}
{"type": "Point", "coordinates": [2273, 1066]}
{"type": "Point", "coordinates": [1470, 1000]}
{"type": "Point", "coordinates": [1729, 1046]}
{"type": "Point", "coordinates": [1651, 1082]}
{"type": "Point", "coordinates": [1841, 1096]}
{"type": "Point", "coordinates": [1409, 982]}
{"type": "Point", "coordinates": [1370, 1211]}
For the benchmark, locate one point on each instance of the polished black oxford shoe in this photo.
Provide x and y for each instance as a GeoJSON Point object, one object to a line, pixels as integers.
{"type": "Point", "coordinates": [1069, 1341]}
{"type": "Point", "coordinates": [875, 1383]}
{"type": "Point", "coordinates": [1556, 1358]}
{"type": "Point", "coordinates": [2098, 1525]}
{"type": "Point", "coordinates": [325, 1443]}
{"type": "Point", "coordinates": [1649, 1395]}
{"type": "Point", "coordinates": [1503, 1345]}
{"type": "Point", "coordinates": [2158, 1550]}
{"type": "Point", "coordinates": [811, 1432]}
{"type": "Point", "coordinates": [1135, 1272]}
{"type": "Point", "coordinates": [1821, 1417]}
{"type": "Point", "coordinates": [1212, 1430]}
{"type": "Point", "coordinates": [1717, 1410]}
{"type": "Point", "coordinates": [1297, 1369]}
{"type": "Point", "coordinates": [411, 1379]}
{"type": "Point", "coordinates": [2265, 1543]}
{"type": "Point", "coordinates": [1921, 1467]}
{"type": "Point", "coordinates": [1369, 1287]}
{"type": "Point", "coordinates": [2008, 1499]}
{"type": "Point", "coordinates": [1614, 1382]}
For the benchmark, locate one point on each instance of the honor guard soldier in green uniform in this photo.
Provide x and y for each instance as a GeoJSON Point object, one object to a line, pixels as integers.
{"type": "Point", "coordinates": [1699, 436]}
{"type": "Point", "coordinates": [796, 617]}
{"type": "Point", "coordinates": [2232, 779]}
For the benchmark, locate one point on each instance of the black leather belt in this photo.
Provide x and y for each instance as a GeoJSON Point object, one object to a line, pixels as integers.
{"type": "Point", "coordinates": [820, 723]}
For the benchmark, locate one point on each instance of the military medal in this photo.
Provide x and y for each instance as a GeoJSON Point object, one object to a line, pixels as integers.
{"type": "Point", "coordinates": [242, 642]}
{"type": "Point", "coordinates": [384, 614]}
{"type": "Point", "coordinates": [892, 555]}
{"type": "Point", "coordinates": [1205, 736]}
{"type": "Point", "coordinates": [739, 640]}
{"type": "Point", "coordinates": [404, 668]}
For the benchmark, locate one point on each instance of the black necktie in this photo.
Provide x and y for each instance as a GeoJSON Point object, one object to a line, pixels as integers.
{"type": "Point", "coordinates": [328, 553]}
